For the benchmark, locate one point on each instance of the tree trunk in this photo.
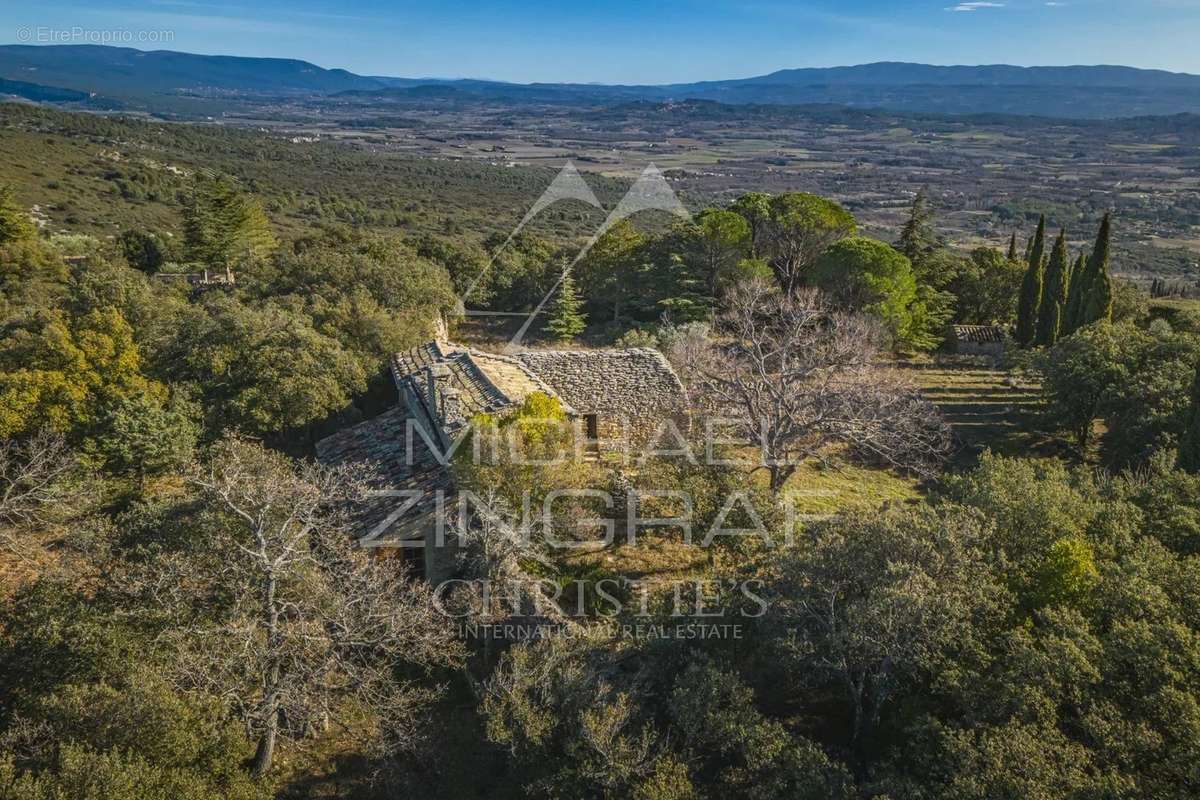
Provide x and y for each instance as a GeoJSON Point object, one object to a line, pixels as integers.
{"type": "Point", "coordinates": [858, 762]}
{"type": "Point", "coordinates": [264, 754]}
{"type": "Point", "coordinates": [856, 699]}
{"type": "Point", "coordinates": [1083, 436]}
{"type": "Point", "coordinates": [779, 474]}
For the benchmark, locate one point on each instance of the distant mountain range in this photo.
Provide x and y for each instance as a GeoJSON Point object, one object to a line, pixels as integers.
{"type": "Point", "coordinates": [125, 73]}
{"type": "Point", "coordinates": [154, 80]}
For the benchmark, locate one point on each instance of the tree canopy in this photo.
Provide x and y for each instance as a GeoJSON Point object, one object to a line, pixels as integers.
{"type": "Point", "coordinates": [869, 275]}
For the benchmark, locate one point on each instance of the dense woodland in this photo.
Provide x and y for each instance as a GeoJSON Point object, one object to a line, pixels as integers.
{"type": "Point", "coordinates": [185, 612]}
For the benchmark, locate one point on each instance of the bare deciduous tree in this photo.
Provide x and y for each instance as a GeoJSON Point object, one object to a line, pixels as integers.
{"type": "Point", "coordinates": [682, 344]}
{"type": "Point", "coordinates": [798, 377]}
{"type": "Point", "coordinates": [285, 617]}
{"type": "Point", "coordinates": [497, 542]}
{"type": "Point", "coordinates": [35, 483]}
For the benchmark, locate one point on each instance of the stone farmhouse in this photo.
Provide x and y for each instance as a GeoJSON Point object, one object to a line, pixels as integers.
{"type": "Point", "coordinates": [616, 398]}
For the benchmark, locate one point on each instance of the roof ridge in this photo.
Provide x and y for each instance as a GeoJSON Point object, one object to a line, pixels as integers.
{"type": "Point", "coordinates": [525, 368]}
{"type": "Point", "coordinates": [587, 351]}
{"type": "Point", "coordinates": [481, 377]}
{"type": "Point", "coordinates": [628, 352]}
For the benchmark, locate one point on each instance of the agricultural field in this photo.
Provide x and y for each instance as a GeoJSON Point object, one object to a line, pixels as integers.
{"type": "Point", "coordinates": [989, 174]}
{"type": "Point", "coordinates": [471, 172]}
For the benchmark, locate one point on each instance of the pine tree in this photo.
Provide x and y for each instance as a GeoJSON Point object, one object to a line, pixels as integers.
{"type": "Point", "coordinates": [1055, 287]}
{"type": "Point", "coordinates": [1012, 247]}
{"type": "Point", "coordinates": [1097, 299]}
{"type": "Point", "coordinates": [918, 237]}
{"type": "Point", "coordinates": [1189, 445]}
{"type": "Point", "coordinates": [1030, 300]}
{"type": "Point", "coordinates": [15, 222]}
{"type": "Point", "coordinates": [566, 320]}
{"type": "Point", "coordinates": [223, 226]}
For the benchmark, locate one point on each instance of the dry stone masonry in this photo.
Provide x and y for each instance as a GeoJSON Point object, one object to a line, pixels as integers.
{"type": "Point", "coordinates": [627, 392]}
{"type": "Point", "coordinates": [621, 398]}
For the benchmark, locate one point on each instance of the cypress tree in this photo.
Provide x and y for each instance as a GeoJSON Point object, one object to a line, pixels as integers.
{"type": "Point", "coordinates": [1030, 300]}
{"type": "Point", "coordinates": [1070, 320]}
{"type": "Point", "coordinates": [1055, 286]}
{"type": "Point", "coordinates": [1012, 247]}
{"type": "Point", "coordinates": [566, 320]}
{"type": "Point", "coordinates": [1189, 446]}
{"type": "Point", "coordinates": [1028, 304]}
{"type": "Point", "coordinates": [1097, 300]}
{"type": "Point", "coordinates": [1037, 249]}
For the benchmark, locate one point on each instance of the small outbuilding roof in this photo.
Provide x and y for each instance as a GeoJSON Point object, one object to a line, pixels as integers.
{"type": "Point", "coordinates": [979, 334]}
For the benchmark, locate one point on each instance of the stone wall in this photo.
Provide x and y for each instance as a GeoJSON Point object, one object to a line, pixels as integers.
{"type": "Point", "coordinates": [630, 391]}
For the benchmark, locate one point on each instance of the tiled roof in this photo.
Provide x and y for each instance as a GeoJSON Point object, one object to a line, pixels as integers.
{"type": "Point", "coordinates": [379, 447]}
{"type": "Point", "coordinates": [486, 382]}
{"type": "Point", "coordinates": [408, 362]}
{"type": "Point", "coordinates": [579, 375]}
{"type": "Point", "coordinates": [979, 333]}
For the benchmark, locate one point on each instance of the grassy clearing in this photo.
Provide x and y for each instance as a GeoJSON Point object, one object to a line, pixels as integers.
{"type": "Point", "coordinates": [653, 557]}
{"type": "Point", "coordinates": [815, 491]}
{"type": "Point", "coordinates": [1176, 305]}
{"type": "Point", "coordinates": [820, 490]}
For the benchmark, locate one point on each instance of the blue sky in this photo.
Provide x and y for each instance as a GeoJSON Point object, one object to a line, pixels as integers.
{"type": "Point", "coordinates": [640, 41]}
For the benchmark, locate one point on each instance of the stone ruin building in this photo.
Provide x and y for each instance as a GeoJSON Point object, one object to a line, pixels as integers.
{"type": "Point", "coordinates": [616, 398]}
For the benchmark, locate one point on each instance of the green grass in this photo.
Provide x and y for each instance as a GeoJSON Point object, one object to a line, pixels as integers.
{"type": "Point", "coordinates": [1176, 304]}
{"type": "Point", "coordinates": [653, 557]}
{"type": "Point", "coordinates": [987, 407]}
{"type": "Point", "coordinates": [1181, 313]}
{"type": "Point", "coordinates": [823, 490]}
{"type": "Point", "coordinates": [815, 492]}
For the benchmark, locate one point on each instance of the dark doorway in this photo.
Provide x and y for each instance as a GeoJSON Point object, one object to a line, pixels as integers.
{"type": "Point", "coordinates": [593, 427]}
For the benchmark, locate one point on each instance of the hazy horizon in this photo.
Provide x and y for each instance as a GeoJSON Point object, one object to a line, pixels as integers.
{"type": "Point", "coordinates": [625, 43]}
{"type": "Point", "coordinates": [484, 77]}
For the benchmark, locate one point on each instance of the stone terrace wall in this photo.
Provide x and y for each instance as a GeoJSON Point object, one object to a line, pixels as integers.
{"type": "Point", "coordinates": [634, 387]}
